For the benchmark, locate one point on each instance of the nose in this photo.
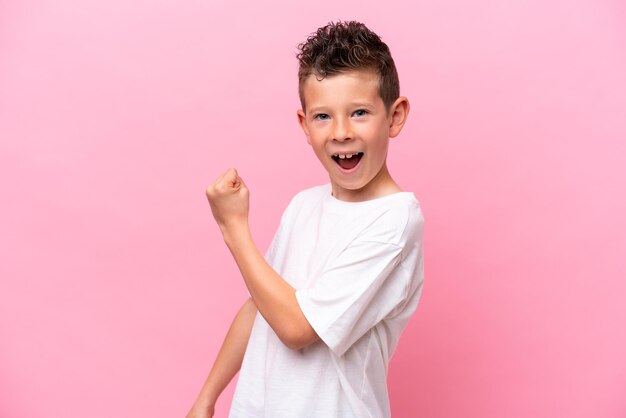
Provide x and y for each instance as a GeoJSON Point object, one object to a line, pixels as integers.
{"type": "Point", "coordinates": [341, 130]}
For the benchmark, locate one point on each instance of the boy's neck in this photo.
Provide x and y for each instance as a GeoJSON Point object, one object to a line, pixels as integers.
{"type": "Point", "coordinates": [381, 185]}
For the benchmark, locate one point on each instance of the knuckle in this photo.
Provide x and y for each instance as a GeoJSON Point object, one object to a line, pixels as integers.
{"type": "Point", "coordinates": [212, 190]}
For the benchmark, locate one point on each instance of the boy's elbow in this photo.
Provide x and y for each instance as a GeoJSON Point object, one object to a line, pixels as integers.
{"type": "Point", "coordinates": [296, 338]}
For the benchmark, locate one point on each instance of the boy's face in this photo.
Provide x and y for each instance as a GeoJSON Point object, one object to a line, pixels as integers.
{"type": "Point", "coordinates": [345, 115]}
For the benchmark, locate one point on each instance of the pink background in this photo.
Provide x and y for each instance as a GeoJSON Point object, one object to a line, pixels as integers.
{"type": "Point", "coordinates": [116, 289]}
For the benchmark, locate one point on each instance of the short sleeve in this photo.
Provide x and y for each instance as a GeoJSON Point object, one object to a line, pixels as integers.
{"type": "Point", "coordinates": [270, 253]}
{"type": "Point", "coordinates": [285, 220]}
{"type": "Point", "coordinates": [358, 289]}
{"type": "Point", "coordinates": [271, 250]}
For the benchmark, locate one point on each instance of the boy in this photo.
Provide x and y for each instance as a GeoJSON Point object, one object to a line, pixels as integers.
{"type": "Point", "coordinates": [344, 271]}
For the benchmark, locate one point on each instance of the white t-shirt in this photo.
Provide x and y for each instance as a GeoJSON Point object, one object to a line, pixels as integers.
{"type": "Point", "coordinates": [358, 271]}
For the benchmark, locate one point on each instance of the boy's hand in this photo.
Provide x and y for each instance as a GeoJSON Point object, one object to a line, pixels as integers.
{"type": "Point", "coordinates": [229, 198]}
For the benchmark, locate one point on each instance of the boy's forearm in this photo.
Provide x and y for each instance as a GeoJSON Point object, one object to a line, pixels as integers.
{"type": "Point", "coordinates": [230, 356]}
{"type": "Point", "coordinates": [273, 296]}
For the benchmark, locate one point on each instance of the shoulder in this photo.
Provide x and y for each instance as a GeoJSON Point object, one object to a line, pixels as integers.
{"type": "Point", "coordinates": [308, 197]}
{"type": "Point", "coordinates": [303, 199]}
{"type": "Point", "coordinates": [314, 193]}
{"type": "Point", "coordinates": [397, 220]}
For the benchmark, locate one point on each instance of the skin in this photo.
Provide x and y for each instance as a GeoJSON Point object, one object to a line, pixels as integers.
{"type": "Point", "coordinates": [344, 114]}
{"type": "Point", "coordinates": [227, 363]}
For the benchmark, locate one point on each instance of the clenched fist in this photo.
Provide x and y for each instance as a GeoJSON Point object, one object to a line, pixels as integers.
{"type": "Point", "coordinates": [230, 200]}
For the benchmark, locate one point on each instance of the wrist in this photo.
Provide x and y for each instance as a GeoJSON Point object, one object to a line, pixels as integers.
{"type": "Point", "coordinates": [207, 399]}
{"type": "Point", "coordinates": [234, 232]}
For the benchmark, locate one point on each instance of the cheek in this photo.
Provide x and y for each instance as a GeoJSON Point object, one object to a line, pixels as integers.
{"type": "Point", "coordinates": [318, 146]}
{"type": "Point", "coordinates": [317, 139]}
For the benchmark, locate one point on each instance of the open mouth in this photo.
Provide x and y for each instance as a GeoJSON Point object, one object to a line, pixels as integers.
{"type": "Point", "coordinates": [348, 161]}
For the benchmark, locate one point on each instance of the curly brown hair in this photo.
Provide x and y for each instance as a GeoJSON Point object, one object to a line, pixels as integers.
{"type": "Point", "coordinates": [345, 46]}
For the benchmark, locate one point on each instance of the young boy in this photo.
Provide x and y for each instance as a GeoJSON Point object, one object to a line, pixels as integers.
{"type": "Point", "coordinates": [344, 272]}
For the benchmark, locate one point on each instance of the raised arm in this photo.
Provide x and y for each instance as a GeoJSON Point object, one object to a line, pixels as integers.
{"type": "Point", "coordinates": [274, 296]}
{"type": "Point", "coordinates": [227, 363]}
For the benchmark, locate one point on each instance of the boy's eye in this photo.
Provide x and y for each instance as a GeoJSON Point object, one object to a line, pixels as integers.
{"type": "Point", "coordinates": [321, 116]}
{"type": "Point", "coordinates": [360, 112]}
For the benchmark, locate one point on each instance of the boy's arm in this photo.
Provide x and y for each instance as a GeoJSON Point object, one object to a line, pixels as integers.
{"type": "Point", "coordinates": [273, 296]}
{"type": "Point", "coordinates": [227, 363]}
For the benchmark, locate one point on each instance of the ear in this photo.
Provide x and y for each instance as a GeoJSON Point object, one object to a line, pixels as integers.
{"type": "Point", "coordinates": [398, 113]}
{"type": "Point", "coordinates": [303, 125]}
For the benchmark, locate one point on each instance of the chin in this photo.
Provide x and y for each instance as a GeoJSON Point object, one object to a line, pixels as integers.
{"type": "Point", "coordinates": [352, 186]}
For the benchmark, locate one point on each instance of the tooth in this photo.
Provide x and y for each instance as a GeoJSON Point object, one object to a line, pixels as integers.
{"type": "Point", "coordinates": [342, 156]}
{"type": "Point", "coordinates": [349, 155]}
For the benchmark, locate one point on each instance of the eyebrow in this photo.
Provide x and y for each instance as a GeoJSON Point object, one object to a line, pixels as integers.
{"type": "Point", "coordinates": [316, 109]}
{"type": "Point", "coordinates": [325, 109]}
{"type": "Point", "coordinates": [359, 104]}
